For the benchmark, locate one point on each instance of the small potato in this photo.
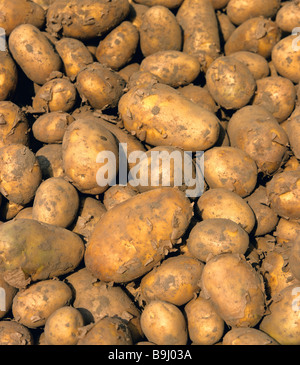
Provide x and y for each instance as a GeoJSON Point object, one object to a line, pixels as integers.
{"type": "Point", "coordinates": [74, 54]}
{"type": "Point", "coordinates": [159, 31]}
{"type": "Point", "coordinates": [117, 194]}
{"type": "Point", "coordinates": [230, 168]}
{"type": "Point", "coordinates": [293, 132]}
{"type": "Point", "coordinates": [7, 293]}
{"type": "Point", "coordinates": [257, 35]}
{"type": "Point", "coordinates": [214, 236]}
{"type": "Point", "coordinates": [32, 306]}
{"type": "Point", "coordinates": [119, 46]}
{"type": "Point", "coordinates": [14, 125]}
{"type": "Point", "coordinates": [285, 57]}
{"type": "Point", "coordinates": [287, 231]}
{"type": "Point", "coordinates": [276, 94]}
{"type": "Point", "coordinates": [33, 53]}
{"type": "Point", "coordinates": [235, 289]}
{"type": "Point", "coordinates": [50, 160]}
{"type": "Point", "coordinates": [294, 259]}
{"type": "Point", "coordinates": [100, 86]}
{"type": "Point", "coordinates": [200, 96]}
{"type": "Point", "coordinates": [175, 281]}
{"type": "Point", "coordinates": [223, 203]}
{"type": "Point", "coordinates": [172, 67]}
{"type": "Point", "coordinates": [283, 192]}
{"type": "Point", "coordinates": [62, 326]}
{"type": "Point", "coordinates": [128, 70]}
{"type": "Point", "coordinates": [56, 202]}
{"type": "Point", "coordinates": [171, 4]}
{"type": "Point", "coordinates": [9, 210]}
{"type": "Point", "coordinates": [205, 326]}
{"type": "Point", "coordinates": [8, 76]}
{"type": "Point", "coordinates": [107, 331]}
{"type": "Point", "coordinates": [51, 127]}
{"type": "Point", "coordinates": [142, 79]}
{"type": "Point", "coordinates": [25, 213]}
{"type": "Point", "coordinates": [164, 324]}
{"type": "Point", "coordinates": [20, 173]}
{"type": "Point", "coordinates": [230, 82]}
{"type": "Point", "coordinates": [283, 322]}
{"type": "Point", "coordinates": [55, 95]}
{"type": "Point", "coordinates": [136, 13]}
{"type": "Point", "coordinates": [225, 24]}
{"type": "Point", "coordinates": [247, 336]}
{"type": "Point", "coordinates": [256, 63]}
{"type": "Point", "coordinates": [287, 17]}
{"type": "Point", "coordinates": [13, 333]}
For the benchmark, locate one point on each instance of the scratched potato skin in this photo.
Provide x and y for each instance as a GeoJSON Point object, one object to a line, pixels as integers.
{"type": "Point", "coordinates": [134, 236]}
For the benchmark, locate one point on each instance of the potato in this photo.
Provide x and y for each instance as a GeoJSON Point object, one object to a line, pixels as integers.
{"type": "Point", "coordinates": [230, 168]}
{"type": "Point", "coordinates": [285, 57]}
{"type": "Point", "coordinates": [287, 231]}
{"type": "Point", "coordinates": [175, 281]}
{"type": "Point", "coordinates": [83, 140]}
{"type": "Point", "coordinates": [200, 96]}
{"type": "Point", "coordinates": [214, 236]}
{"type": "Point", "coordinates": [7, 293]}
{"type": "Point", "coordinates": [293, 132]}
{"type": "Point", "coordinates": [255, 130]}
{"type": "Point", "coordinates": [107, 331]}
{"type": "Point", "coordinates": [33, 53]}
{"type": "Point", "coordinates": [283, 192]}
{"type": "Point", "coordinates": [239, 11]}
{"type": "Point", "coordinates": [32, 306]}
{"type": "Point", "coordinates": [50, 160]}
{"type": "Point", "coordinates": [8, 76]}
{"type": "Point", "coordinates": [117, 194]}
{"type": "Point", "coordinates": [230, 83]}
{"type": "Point", "coordinates": [97, 300]}
{"type": "Point", "coordinates": [56, 202]}
{"type": "Point", "coordinates": [25, 213]}
{"type": "Point", "coordinates": [200, 30]}
{"type": "Point", "coordinates": [171, 4]}
{"type": "Point", "coordinates": [219, 4]}
{"type": "Point", "coordinates": [85, 19]}
{"type": "Point", "coordinates": [159, 31]}
{"type": "Point", "coordinates": [205, 326]}
{"type": "Point", "coordinates": [44, 3]}
{"type": "Point", "coordinates": [266, 218]}
{"type": "Point", "coordinates": [235, 289]}
{"type": "Point", "coordinates": [74, 54]}
{"type": "Point", "coordinates": [292, 163]}
{"type": "Point", "coordinates": [137, 241]}
{"type": "Point", "coordinates": [164, 324]}
{"type": "Point", "coordinates": [142, 79]}
{"type": "Point", "coordinates": [158, 116]}
{"type": "Point", "coordinates": [136, 13]}
{"type": "Point", "coordinates": [16, 12]}
{"type": "Point", "coordinates": [294, 259]}
{"type": "Point", "coordinates": [173, 68]}
{"type": "Point", "coordinates": [223, 203]}
{"type": "Point", "coordinates": [13, 333]}
{"type": "Point", "coordinates": [128, 70]}
{"type": "Point", "coordinates": [14, 125]}
{"type": "Point", "coordinates": [247, 336]}
{"type": "Point", "coordinates": [119, 46]}
{"type": "Point", "coordinates": [282, 323]}
{"type": "Point", "coordinates": [9, 210]}
{"type": "Point", "coordinates": [257, 35]}
{"type": "Point", "coordinates": [287, 17]}
{"type": "Point", "coordinates": [256, 63]}
{"type": "Point", "coordinates": [63, 326]}
{"type": "Point", "coordinates": [225, 24]}
{"type": "Point", "coordinates": [100, 86]}
{"type": "Point", "coordinates": [31, 250]}
{"type": "Point", "coordinates": [276, 94]}
{"type": "Point", "coordinates": [20, 173]}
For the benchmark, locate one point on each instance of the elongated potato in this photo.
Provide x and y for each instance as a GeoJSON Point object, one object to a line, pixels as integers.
{"type": "Point", "coordinates": [247, 336]}
{"type": "Point", "coordinates": [256, 63]}
{"type": "Point", "coordinates": [8, 76]}
{"type": "Point", "coordinates": [158, 116]}
{"type": "Point", "coordinates": [287, 17]}
{"type": "Point", "coordinates": [31, 250]}
{"type": "Point", "coordinates": [14, 333]}
{"type": "Point", "coordinates": [85, 19]}
{"type": "Point", "coordinates": [200, 30]}
{"type": "Point", "coordinates": [173, 67]}
{"type": "Point", "coordinates": [225, 24]}
{"type": "Point", "coordinates": [33, 53]}
{"type": "Point", "coordinates": [133, 252]}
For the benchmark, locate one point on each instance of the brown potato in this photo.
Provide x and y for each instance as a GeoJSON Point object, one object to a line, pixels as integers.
{"type": "Point", "coordinates": [33, 53]}
{"type": "Point", "coordinates": [117, 194]}
{"type": "Point", "coordinates": [13, 333]}
{"type": "Point", "coordinates": [142, 79]}
{"type": "Point", "coordinates": [171, 4]}
{"type": "Point", "coordinates": [119, 46]}
{"type": "Point", "coordinates": [136, 13]}
{"type": "Point", "coordinates": [128, 70]}
{"type": "Point", "coordinates": [7, 293]}
{"type": "Point", "coordinates": [247, 336]}
{"type": "Point", "coordinates": [200, 96]}
{"type": "Point", "coordinates": [294, 259]}
{"type": "Point", "coordinates": [293, 132]}
{"type": "Point", "coordinates": [287, 230]}
{"type": "Point", "coordinates": [9, 210]}
{"type": "Point", "coordinates": [164, 324]}
{"type": "Point", "coordinates": [225, 24]}
{"type": "Point", "coordinates": [287, 17]}
{"type": "Point", "coordinates": [25, 213]}
{"type": "Point", "coordinates": [50, 160]}
{"type": "Point", "coordinates": [219, 4]}
{"type": "Point", "coordinates": [8, 76]}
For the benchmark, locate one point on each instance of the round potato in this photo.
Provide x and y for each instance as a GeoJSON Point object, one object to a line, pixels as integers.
{"type": "Point", "coordinates": [50, 160]}
{"type": "Point", "coordinates": [164, 324]}
{"type": "Point", "coordinates": [117, 194]}
{"type": "Point", "coordinates": [13, 333]}
{"type": "Point", "coordinates": [214, 236]}
{"type": "Point", "coordinates": [247, 336]}
{"type": "Point", "coordinates": [287, 17]}
{"type": "Point", "coordinates": [287, 231]}
{"type": "Point", "coordinates": [8, 76]}
{"type": "Point", "coordinates": [256, 63]}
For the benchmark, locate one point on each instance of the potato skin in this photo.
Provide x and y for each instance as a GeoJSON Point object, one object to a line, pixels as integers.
{"type": "Point", "coordinates": [247, 336]}
{"type": "Point", "coordinates": [117, 194]}
{"type": "Point", "coordinates": [200, 96]}
{"type": "Point", "coordinates": [119, 46]}
{"type": "Point", "coordinates": [14, 333]}
{"type": "Point", "coordinates": [8, 76]}
{"type": "Point", "coordinates": [235, 289]}
{"type": "Point", "coordinates": [50, 160]}
{"type": "Point", "coordinates": [159, 31]}
{"type": "Point", "coordinates": [158, 116]}
{"type": "Point", "coordinates": [31, 58]}
{"type": "Point", "coordinates": [256, 63]}
{"type": "Point", "coordinates": [171, 4]}
{"type": "Point", "coordinates": [133, 252]}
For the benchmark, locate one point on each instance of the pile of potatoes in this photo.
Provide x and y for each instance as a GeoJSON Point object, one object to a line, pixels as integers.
{"type": "Point", "coordinates": [84, 263]}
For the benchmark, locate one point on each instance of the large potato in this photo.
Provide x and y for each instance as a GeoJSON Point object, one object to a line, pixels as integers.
{"type": "Point", "coordinates": [235, 289]}
{"type": "Point", "coordinates": [158, 116]}
{"type": "Point", "coordinates": [85, 19]}
{"type": "Point", "coordinates": [137, 239]}
{"type": "Point", "coordinates": [33, 53]}
{"type": "Point", "coordinates": [247, 336]}
{"type": "Point", "coordinates": [14, 333]}
{"type": "Point", "coordinates": [8, 76]}
{"type": "Point", "coordinates": [31, 250]}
